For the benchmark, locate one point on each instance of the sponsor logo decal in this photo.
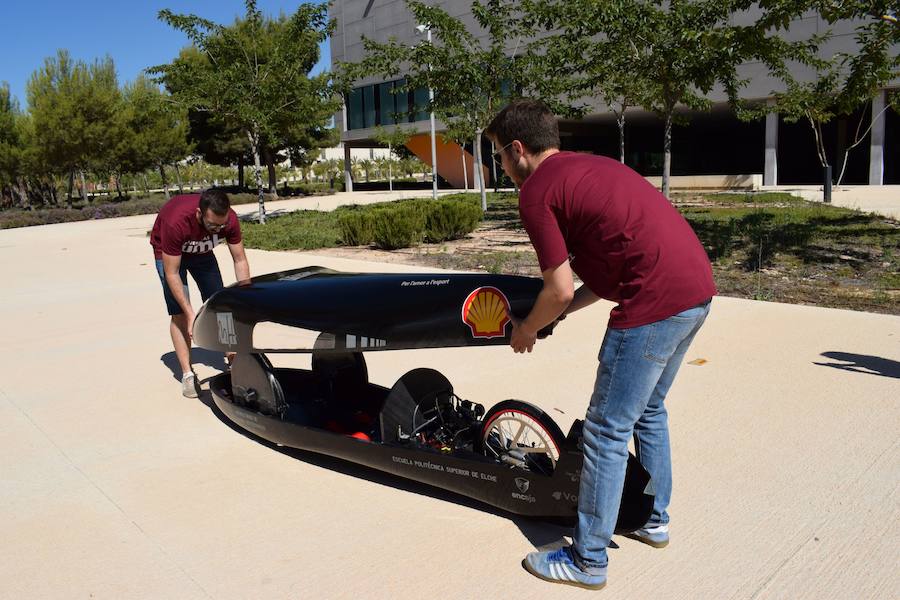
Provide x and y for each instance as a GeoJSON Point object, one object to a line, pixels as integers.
{"type": "Point", "coordinates": [568, 496]}
{"type": "Point", "coordinates": [486, 312]}
{"type": "Point", "coordinates": [523, 485]}
{"type": "Point", "coordinates": [421, 282]}
{"type": "Point", "coordinates": [227, 335]}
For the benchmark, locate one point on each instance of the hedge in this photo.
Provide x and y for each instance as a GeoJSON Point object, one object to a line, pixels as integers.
{"type": "Point", "coordinates": [392, 225]}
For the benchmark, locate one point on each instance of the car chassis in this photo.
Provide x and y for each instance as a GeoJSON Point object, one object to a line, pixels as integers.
{"type": "Point", "coordinates": [513, 457]}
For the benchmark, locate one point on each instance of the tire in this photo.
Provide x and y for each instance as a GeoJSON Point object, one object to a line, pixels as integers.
{"type": "Point", "coordinates": [540, 438]}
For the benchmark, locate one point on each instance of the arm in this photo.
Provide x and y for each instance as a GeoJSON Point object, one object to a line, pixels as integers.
{"type": "Point", "coordinates": [583, 297]}
{"type": "Point", "coordinates": [241, 266]}
{"type": "Point", "coordinates": [171, 264]}
{"type": "Point", "coordinates": [554, 297]}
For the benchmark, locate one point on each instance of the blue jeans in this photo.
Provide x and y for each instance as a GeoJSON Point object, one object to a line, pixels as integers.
{"type": "Point", "coordinates": [203, 268]}
{"type": "Point", "coordinates": [637, 368]}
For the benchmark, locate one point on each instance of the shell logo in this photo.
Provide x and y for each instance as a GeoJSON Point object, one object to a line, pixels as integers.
{"type": "Point", "coordinates": [486, 312]}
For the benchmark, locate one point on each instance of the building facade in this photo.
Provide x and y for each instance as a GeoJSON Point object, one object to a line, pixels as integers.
{"type": "Point", "coordinates": [712, 143]}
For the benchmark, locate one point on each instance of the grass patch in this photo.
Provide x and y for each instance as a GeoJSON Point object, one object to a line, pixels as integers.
{"type": "Point", "coordinates": [800, 252]}
{"type": "Point", "coordinates": [739, 199]}
{"type": "Point", "coordinates": [890, 281]}
{"type": "Point", "coordinates": [771, 246]}
{"type": "Point", "coordinates": [299, 230]}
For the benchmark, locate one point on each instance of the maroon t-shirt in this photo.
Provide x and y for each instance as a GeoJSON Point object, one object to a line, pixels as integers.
{"type": "Point", "coordinates": [623, 238]}
{"type": "Point", "coordinates": [176, 230]}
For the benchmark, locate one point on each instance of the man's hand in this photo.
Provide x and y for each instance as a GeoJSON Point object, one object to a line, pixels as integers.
{"type": "Point", "coordinates": [190, 325]}
{"type": "Point", "coordinates": [554, 297]}
{"type": "Point", "coordinates": [522, 338]}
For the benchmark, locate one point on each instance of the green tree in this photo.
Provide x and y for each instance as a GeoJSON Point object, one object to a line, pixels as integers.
{"type": "Point", "coordinates": [842, 82]}
{"type": "Point", "coordinates": [156, 129]}
{"type": "Point", "coordinates": [214, 137]}
{"type": "Point", "coordinates": [257, 75]}
{"type": "Point", "coordinates": [472, 76]}
{"type": "Point", "coordinates": [365, 165]}
{"type": "Point", "coordinates": [74, 110]}
{"type": "Point", "coordinates": [566, 68]}
{"type": "Point", "coordinates": [664, 56]}
{"type": "Point", "coordinates": [11, 149]}
{"type": "Point", "coordinates": [684, 49]}
{"type": "Point", "coordinates": [306, 152]}
{"type": "Point", "coordinates": [392, 138]}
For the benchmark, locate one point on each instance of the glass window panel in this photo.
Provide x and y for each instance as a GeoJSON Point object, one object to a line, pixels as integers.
{"type": "Point", "coordinates": [421, 100]}
{"type": "Point", "coordinates": [369, 105]}
{"type": "Point", "coordinates": [386, 110]}
{"type": "Point", "coordinates": [355, 109]}
{"type": "Point", "coordinates": [401, 101]}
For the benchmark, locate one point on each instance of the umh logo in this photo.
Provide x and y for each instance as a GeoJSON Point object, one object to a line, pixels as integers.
{"type": "Point", "coordinates": [201, 246]}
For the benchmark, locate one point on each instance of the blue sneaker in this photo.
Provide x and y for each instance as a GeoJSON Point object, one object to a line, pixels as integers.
{"type": "Point", "coordinates": [557, 566]}
{"type": "Point", "coordinates": [652, 535]}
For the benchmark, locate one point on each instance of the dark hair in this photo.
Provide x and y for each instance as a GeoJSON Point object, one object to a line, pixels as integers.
{"type": "Point", "coordinates": [530, 122]}
{"type": "Point", "coordinates": [215, 200]}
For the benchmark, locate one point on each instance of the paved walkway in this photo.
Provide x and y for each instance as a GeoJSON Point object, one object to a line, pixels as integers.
{"type": "Point", "coordinates": [879, 199]}
{"type": "Point", "coordinates": [112, 485]}
{"type": "Point", "coordinates": [331, 202]}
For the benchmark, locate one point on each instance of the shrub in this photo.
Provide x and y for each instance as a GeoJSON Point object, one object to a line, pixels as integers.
{"type": "Point", "coordinates": [451, 219]}
{"type": "Point", "coordinates": [248, 198]}
{"type": "Point", "coordinates": [408, 222]}
{"type": "Point", "coordinates": [399, 227]}
{"type": "Point", "coordinates": [357, 226]}
{"type": "Point", "coordinates": [102, 211]}
{"type": "Point", "coordinates": [19, 218]}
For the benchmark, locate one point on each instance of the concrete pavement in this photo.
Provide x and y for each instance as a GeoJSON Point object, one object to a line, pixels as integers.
{"type": "Point", "coordinates": [879, 199]}
{"type": "Point", "coordinates": [331, 202]}
{"type": "Point", "coordinates": [112, 485]}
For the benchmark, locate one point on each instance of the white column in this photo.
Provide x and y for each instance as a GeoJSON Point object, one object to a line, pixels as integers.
{"type": "Point", "coordinates": [348, 173]}
{"type": "Point", "coordinates": [770, 175]}
{"type": "Point", "coordinates": [876, 144]}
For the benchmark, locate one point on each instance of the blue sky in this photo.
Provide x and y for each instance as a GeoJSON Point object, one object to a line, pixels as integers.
{"type": "Point", "coordinates": [127, 30]}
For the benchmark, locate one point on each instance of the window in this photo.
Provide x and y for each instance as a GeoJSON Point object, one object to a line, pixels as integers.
{"type": "Point", "coordinates": [369, 106]}
{"type": "Point", "coordinates": [385, 104]}
{"type": "Point", "coordinates": [386, 109]}
{"type": "Point", "coordinates": [355, 109]}
{"type": "Point", "coordinates": [421, 104]}
{"type": "Point", "coordinates": [401, 101]}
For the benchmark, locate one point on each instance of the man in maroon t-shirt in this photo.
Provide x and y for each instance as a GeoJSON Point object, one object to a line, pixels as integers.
{"type": "Point", "coordinates": [594, 217]}
{"type": "Point", "coordinates": [186, 230]}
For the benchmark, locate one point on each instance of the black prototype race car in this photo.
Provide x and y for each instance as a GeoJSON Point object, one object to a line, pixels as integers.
{"type": "Point", "coordinates": [514, 456]}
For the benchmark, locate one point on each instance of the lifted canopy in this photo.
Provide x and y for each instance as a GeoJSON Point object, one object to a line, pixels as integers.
{"type": "Point", "coordinates": [321, 310]}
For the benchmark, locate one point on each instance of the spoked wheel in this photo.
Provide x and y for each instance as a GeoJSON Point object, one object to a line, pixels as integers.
{"type": "Point", "coordinates": [521, 435]}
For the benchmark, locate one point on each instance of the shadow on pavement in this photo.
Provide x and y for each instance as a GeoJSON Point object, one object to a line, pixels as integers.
{"type": "Point", "coordinates": [862, 363]}
{"type": "Point", "coordinates": [541, 534]}
{"type": "Point", "coordinates": [215, 360]}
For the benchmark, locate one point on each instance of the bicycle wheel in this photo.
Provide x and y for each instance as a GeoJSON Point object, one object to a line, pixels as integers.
{"type": "Point", "coordinates": [521, 435]}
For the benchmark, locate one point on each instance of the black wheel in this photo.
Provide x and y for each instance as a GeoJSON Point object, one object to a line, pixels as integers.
{"type": "Point", "coordinates": [521, 435]}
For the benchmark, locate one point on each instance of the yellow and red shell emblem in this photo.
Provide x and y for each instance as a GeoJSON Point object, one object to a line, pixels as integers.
{"type": "Point", "coordinates": [486, 312]}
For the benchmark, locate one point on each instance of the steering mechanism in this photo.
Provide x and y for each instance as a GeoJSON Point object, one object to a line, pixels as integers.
{"type": "Point", "coordinates": [446, 422]}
